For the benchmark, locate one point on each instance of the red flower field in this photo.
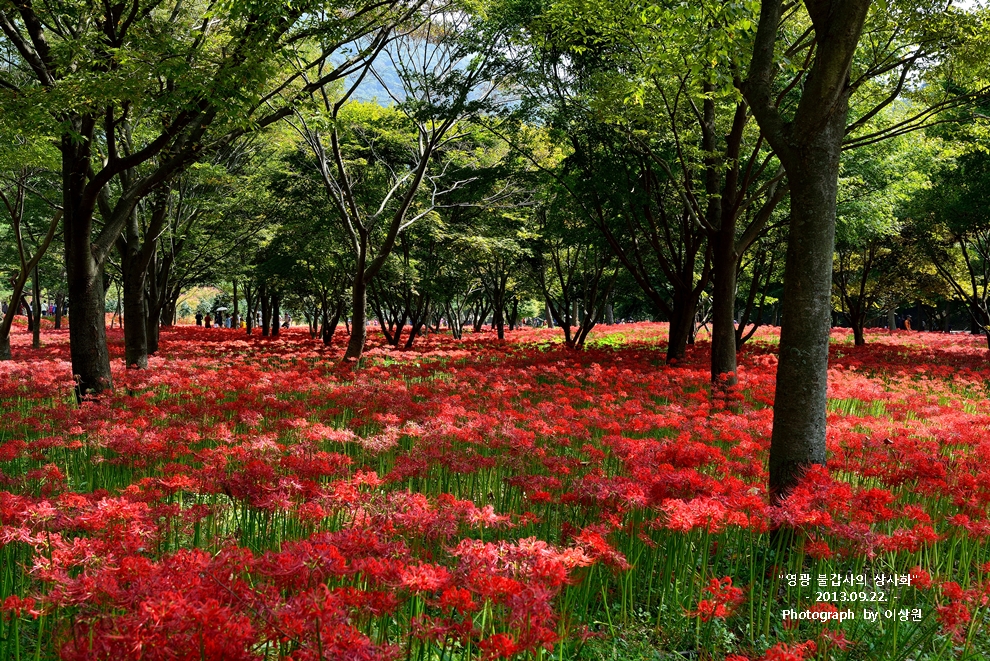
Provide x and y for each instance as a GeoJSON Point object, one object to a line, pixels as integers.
{"type": "Point", "coordinates": [252, 498]}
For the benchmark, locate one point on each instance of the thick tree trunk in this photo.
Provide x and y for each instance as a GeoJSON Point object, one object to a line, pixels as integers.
{"type": "Point", "coordinates": [725, 265]}
{"type": "Point", "coordinates": [798, 439]}
{"type": "Point", "coordinates": [88, 328]}
{"type": "Point", "coordinates": [891, 320]}
{"type": "Point", "coordinates": [359, 314]}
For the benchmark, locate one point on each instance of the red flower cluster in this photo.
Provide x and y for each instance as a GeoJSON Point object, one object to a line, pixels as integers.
{"type": "Point", "coordinates": [251, 496]}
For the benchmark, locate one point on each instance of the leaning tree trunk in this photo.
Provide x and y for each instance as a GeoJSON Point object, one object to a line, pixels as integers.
{"type": "Point", "coordinates": [329, 326]}
{"type": "Point", "coordinates": [798, 439]}
{"type": "Point", "coordinates": [8, 319]}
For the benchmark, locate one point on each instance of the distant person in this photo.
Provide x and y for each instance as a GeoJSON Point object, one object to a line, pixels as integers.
{"type": "Point", "coordinates": [208, 320]}
{"type": "Point", "coordinates": [286, 320]}
{"type": "Point", "coordinates": [199, 318]}
{"type": "Point", "coordinates": [907, 323]}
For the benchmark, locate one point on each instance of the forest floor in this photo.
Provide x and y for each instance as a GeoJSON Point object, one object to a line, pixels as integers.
{"type": "Point", "coordinates": [253, 498]}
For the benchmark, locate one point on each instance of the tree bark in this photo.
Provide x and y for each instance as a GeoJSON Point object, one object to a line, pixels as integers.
{"type": "Point", "coordinates": [276, 313]}
{"type": "Point", "coordinates": [724, 269]}
{"type": "Point", "coordinates": [249, 302]}
{"type": "Point", "coordinates": [809, 147]}
{"type": "Point", "coordinates": [59, 309]}
{"type": "Point", "coordinates": [133, 275]}
{"type": "Point", "coordinates": [88, 326]}
{"type": "Point", "coordinates": [29, 312]}
{"type": "Point", "coordinates": [359, 314]}
{"type": "Point", "coordinates": [266, 309]}
{"type": "Point", "coordinates": [36, 304]}
{"type": "Point", "coordinates": [857, 320]}
{"type": "Point", "coordinates": [798, 438]}
{"type": "Point", "coordinates": [681, 326]}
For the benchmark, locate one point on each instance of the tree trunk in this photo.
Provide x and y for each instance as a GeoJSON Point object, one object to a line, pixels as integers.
{"type": "Point", "coordinates": [248, 301]}
{"type": "Point", "coordinates": [235, 322]}
{"type": "Point", "coordinates": [891, 320]}
{"type": "Point", "coordinates": [8, 319]}
{"type": "Point", "coordinates": [798, 439]}
{"type": "Point", "coordinates": [133, 275]}
{"type": "Point", "coordinates": [359, 313]}
{"type": "Point", "coordinates": [88, 327]}
{"type": "Point", "coordinates": [857, 320]}
{"type": "Point", "coordinates": [548, 316]}
{"type": "Point", "coordinates": [330, 325]}
{"type": "Point", "coordinates": [276, 313]}
{"type": "Point", "coordinates": [36, 303]}
{"type": "Point", "coordinates": [29, 313]}
{"type": "Point", "coordinates": [153, 303]}
{"type": "Point", "coordinates": [514, 314]}
{"type": "Point", "coordinates": [725, 265]}
{"type": "Point", "coordinates": [498, 321]}
{"type": "Point", "coordinates": [681, 326]}
{"type": "Point", "coordinates": [59, 309]}
{"type": "Point", "coordinates": [266, 309]}
{"type": "Point", "coordinates": [87, 330]}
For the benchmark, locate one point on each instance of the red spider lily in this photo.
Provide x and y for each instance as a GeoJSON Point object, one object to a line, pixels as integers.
{"type": "Point", "coordinates": [458, 494]}
{"type": "Point", "coordinates": [725, 599]}
{"type": "Point", "coordinates": [786, 652]}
